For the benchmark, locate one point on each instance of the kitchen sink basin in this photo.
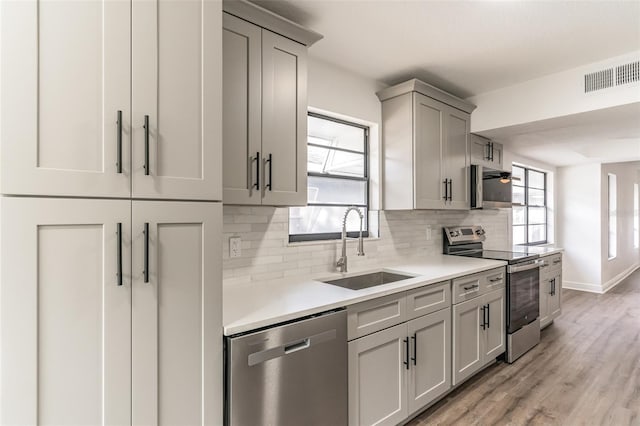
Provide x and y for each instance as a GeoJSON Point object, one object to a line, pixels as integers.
{"type": "Point", "coordinates": [358, 282]}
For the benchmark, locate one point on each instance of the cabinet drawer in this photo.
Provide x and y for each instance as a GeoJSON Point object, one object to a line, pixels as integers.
{"type": "Point", "coordinates": [552, 266]}
{"type": "Point", "coordinates": [494, 280]}
{"type": "Point", "coordinates": [374, 315]}
{"type": "Point", "coordinates": [466, 288]}
{"type": "Point", "coordinates": [425, 300]}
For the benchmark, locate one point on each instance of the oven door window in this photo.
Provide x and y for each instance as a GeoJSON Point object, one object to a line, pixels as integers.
{"type": "Point", "coordinates": [524, 298]}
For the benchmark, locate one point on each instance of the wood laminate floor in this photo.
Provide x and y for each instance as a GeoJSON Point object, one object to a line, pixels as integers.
{"type": "Point", "coordinates": [585, 371]}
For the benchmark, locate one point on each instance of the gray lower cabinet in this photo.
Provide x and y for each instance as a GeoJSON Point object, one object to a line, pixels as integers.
{"type": "Point", "coordinates": [378, 378]}
{"type": "Point", "coordinates": [550, 289]}
{"type": "Point", "coordinates": [430, 366]}
{"type": "Point", "coordinates": [478, 333]}
{"type": "Point", "coordinates": [398, 371]}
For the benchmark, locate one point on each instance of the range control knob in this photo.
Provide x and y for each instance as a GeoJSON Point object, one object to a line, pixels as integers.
{"type": "Point", "coordinates": [454, 233]}
{"type": "Point", "coordinates": [480, 231]}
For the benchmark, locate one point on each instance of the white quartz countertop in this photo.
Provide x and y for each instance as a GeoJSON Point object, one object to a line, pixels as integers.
{"type": "Point", "coordinates": [541, 250]}
{"type": "Point", "coordinates": [259, 304]}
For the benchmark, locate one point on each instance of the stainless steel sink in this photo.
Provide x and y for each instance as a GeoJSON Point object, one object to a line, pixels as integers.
{"type": "Point", "coordinates": [358, 282]}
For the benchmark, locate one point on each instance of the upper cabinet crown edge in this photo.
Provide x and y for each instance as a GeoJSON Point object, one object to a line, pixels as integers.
{"type": "Point", "coordinates": [267, 19]}
{"type": "Point", "coordinates": [415, 85]}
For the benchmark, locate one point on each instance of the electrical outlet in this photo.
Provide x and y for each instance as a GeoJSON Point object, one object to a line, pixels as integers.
{"type": "Point", "coordinates": [428, 233]}
{"type": "Point", "coordinates": [235, 247]}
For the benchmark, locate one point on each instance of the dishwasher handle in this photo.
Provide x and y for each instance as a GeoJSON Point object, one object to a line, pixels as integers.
{"type": "Point", "coordinates": [290, 347]}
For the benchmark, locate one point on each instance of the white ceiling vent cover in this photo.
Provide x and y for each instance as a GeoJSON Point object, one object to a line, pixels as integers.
{"type": "Point", "coordinates": [611, 77]}
{"type": "Point", "coordinates": [598, 80]}
{"type": "Point", "coordinates": [628, 73]}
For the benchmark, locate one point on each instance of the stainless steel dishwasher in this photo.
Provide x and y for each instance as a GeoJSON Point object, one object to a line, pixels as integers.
{"type": "Point", "coordinates": [289, 375]}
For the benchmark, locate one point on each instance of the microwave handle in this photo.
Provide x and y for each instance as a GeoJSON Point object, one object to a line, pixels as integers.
{"type": "Point", "coordinates": [515, 268]}
{"type": "Point", "coordinates": [476, 187]}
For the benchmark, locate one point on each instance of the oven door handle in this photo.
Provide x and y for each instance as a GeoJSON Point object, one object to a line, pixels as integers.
{"type": "Point", "coordinates": [515, 268]}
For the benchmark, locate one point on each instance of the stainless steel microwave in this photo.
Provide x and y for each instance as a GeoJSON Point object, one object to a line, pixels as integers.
{"type": "Point", "coordinates": [490, 188]}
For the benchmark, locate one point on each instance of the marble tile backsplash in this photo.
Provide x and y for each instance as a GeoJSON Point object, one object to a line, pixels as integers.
{"type": "Point", "coordinates": [267, 254]}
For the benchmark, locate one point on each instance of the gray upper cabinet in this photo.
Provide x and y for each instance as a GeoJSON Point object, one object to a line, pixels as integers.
{"type": "Point", "coordinates": [426, 144]}
{"type": "Point", "coordinates": [265, 107]}
{"type": "Point", "coordinates": [485, 152]}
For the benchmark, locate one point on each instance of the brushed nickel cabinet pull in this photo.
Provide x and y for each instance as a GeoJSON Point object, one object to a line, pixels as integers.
{"type": "Point", "coordinates": [119, 142]}
{"type": "Point", "coordinates": [119, 252]}
{"type": "Point", "coordinates": [146, 252]}
{"type": "Point", "coordinates": [146, 145]}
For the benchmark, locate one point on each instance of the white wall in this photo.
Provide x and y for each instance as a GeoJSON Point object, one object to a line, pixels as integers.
{"type": "Point", "coordinates": [550, 96]}
{"type": "Point", "coordinates": [583, 225]}
{"type": "Point", "coordinates": [627, 258]}
{"type": "Point", "coordinates": [579, 222]}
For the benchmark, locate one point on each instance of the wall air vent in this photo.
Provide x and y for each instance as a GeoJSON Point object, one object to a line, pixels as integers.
{"type": "Point", "coordinates": [598, 80]}
{"type": "Point", "coordinates": [612, 77]}
{"type": "Point", "coordinates": [628, 73]}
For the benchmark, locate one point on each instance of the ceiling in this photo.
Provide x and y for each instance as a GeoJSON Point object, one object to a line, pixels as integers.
{"type": "Point", "coordinates": [607, 135]}
{"type": "Point", "coordinates": [473, 47]}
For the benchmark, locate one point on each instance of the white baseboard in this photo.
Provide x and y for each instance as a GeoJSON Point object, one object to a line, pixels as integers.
{"type": "Point", "coordinates": [619, 278]}
{"type": "Point", "coordinates": [588, 287]}
{"type": "Point", "coordinates": [597, 288]}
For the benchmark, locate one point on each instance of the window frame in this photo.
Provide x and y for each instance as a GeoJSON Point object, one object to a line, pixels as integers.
{"type": "Point", "coordinates": [326, 236]}
{"type": "Point", "coordinates": [526, 206]}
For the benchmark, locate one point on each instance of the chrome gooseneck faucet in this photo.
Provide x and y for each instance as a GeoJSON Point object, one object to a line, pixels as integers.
{"type": "Point", "coordinates": [342, 262]}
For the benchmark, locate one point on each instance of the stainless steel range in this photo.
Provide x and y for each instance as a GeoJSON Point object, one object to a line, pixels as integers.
{"type": "Point", "coordinates": [523, 285]}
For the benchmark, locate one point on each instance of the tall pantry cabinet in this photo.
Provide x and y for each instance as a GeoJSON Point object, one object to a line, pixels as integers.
{"type": "Point", "coordinates": [110, 301]}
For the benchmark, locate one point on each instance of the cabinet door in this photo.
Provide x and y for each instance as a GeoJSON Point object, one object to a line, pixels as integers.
{"type": "Point", "coordinates": [479, 148]}
{"type": "Point", "coordinates": [455, 155]}
{"type": "Point", "coordinates": [430, 358]}
{"type": "Point", "coordinates": [284, 125]}
{"type": "Point", "coordinates": [65, 74]}
{"type": "Point", "coordinates": [555, 303]}
{"type": "Point", "coordinates": [467, 339]}
{"type": "Point", "coordinates": [545, 292]}
{"type": "Point", "coordinates": [428, 132]}
{"type": "Point", "coordinates": [241, 118]}
{"type": "Point", "coordinates": [176, 315]}
{"type": "Point", "coordinates": [65, 322]}
{"type": "Point", "coordinates": [378, 378]}
{"type": "Point", "coordinates": [495, 331]}
{"type": "Point", "coordinates": [177, 84]}
{"type": "Point", "coordinates": [496, 155]}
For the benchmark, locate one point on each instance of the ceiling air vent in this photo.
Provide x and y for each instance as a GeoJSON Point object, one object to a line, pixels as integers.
{"type": "Point", "coordinates": [598, 80]}
{"type": "Point", "coordinates": [628, 73]}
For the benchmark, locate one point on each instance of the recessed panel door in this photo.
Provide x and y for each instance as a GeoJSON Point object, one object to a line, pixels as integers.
{"type": "Point", "coordinates": [468, 338]}
{"type": "Point", "coordinates": [65, 106]}
{"type": "Point", "coordinates": [65, 312]}
{"type": "Point", "coordinates": [430, 358]}
{"type": "Point", "coordinates": [176, 313]}
{"type": "Point", "coordinates": [496, 325]}
{"type": "Point", "coordinates": [456, 157]}
{"type": "Point", "coordinates": [177, 99]}
{"type": "Point", "coordinates": [429, 185]}
{"type": "Point", "coordinates": [284, 121]}
{"type": "Point", "coordinates": [378, 378]}
{"type": "Point", "coordinates": [241, 128]}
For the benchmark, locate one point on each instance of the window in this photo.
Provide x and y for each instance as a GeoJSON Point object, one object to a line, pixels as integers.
{"type": "Point", "coordinates": [636, 216]}
{"type": "Point", "coordinates": [613, 202]}
{"type": "Point", "coordinates": [337, 164]}
{"type": "Point", "coordinates": [529, 206]}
